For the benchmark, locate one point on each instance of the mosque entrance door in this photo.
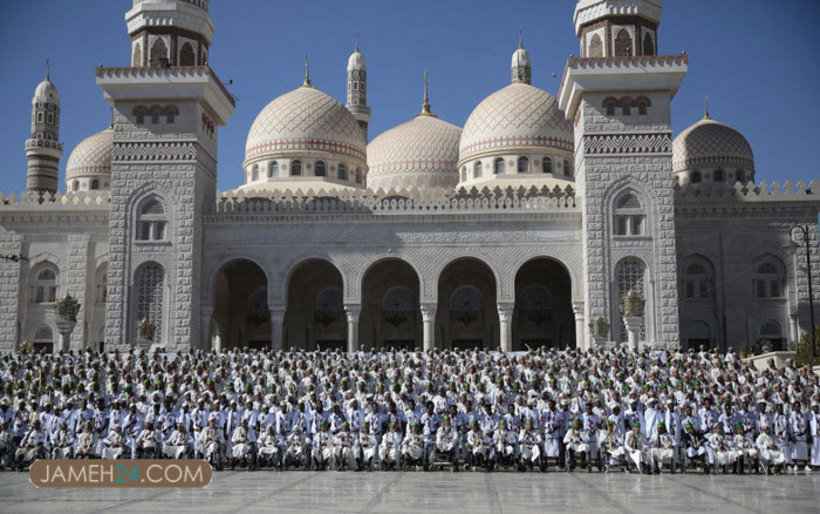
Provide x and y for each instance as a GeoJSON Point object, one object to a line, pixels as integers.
{"type": "Point", "coordinates": [543, 314]}
{"type": "Point", "coordinates": [241, 305]}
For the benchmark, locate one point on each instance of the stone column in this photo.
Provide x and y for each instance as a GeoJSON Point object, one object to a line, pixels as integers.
{"type": "Point", "coordinates": [580, 336]}
{"type": "Point", "coordinates": [794, 331]}
{"type": "Point", "coordinates": [277, 316]}
{"type": "Point", "coordinates": [65, 328]}
{"type": "Point", "coordinates": [505, 313]}
{"type": "Point", "coordinates": [633, 327]}
{"type": "Point", "coordinates": [353, 312]}
{"type": "Point", "coordinates": [428, 316]}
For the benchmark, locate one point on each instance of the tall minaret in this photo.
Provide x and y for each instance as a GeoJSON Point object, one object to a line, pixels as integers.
{"type": "Point", "coordinates": [619, 94]}
{"type": "Point", "coordinates": [43, 148]}
{"type": "Point", "coordinates": [357, 89]}
{"type": "Point", "coordinates": [520, 68]}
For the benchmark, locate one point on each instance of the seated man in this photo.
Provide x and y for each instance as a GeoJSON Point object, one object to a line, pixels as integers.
{"type": "Point", "coordinates": [366, 447]}
{"type": "Point", "coordinates": [412, 448]}
{"type": "Point", "coordinates": [447, 438]}
{"type": "Point", "coordinates": [720, 449]}
{"type": "Point", "coordinates": [771, 456]}
{"type": "Point", "coordinates": [322, 447]}
{"type": "Point", "coordinates": [270, 444]}
{"type": "Point", "coordinates": [506, 443]}
{"type": "Point", "coordinates": [62, 442]}
{"type": "Point", "coordinates": [529, 447]}
{"type": "Point", "coordinates": [86, 442]}
{"type": "Point", "coordinates": [479, 448]}
{"type": "Point", "coordinates": [30, 447]}
{"type": "Point", "coordinates": [663, 450]}
{"type": "Point", "coordinates": [746, 450]}
{"type": "Point", "coordinates": [178, 443]}
{"type": "Point", "coordinates": [611, 443]}
{"type": "Point", "coordinates": [390, 449]}
{"type": "Point", "coordinates": [148, 442]}
{"type": "Point", "coordinates": [115, 444]}
{"type": "Point", "coordinates": [243, 446]}
{"type": "Point", "coordinates": [694, 447]}
{"type": "Point", "coordinates": [635, 447]}
{"type": "Point", "coordinates": [574, 440]}
{"type": "Point", "coordinates": [296, 449]}
{"type": "Point", "coordinates": [343, 444]}
{"type": "Point", "coordinates": [210, 443]}
{"type": "Point", "coordinates": [6, 443]}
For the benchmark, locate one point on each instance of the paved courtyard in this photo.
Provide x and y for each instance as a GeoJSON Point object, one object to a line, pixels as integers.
{"type": "Point", "coordinates": [429, 493]}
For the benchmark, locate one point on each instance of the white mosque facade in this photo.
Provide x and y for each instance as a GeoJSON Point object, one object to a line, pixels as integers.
{"type": "Point", "coordinates": [524, 228]}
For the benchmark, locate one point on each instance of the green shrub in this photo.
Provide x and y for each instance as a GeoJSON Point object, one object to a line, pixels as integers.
{"type": "Point", "coordinates": [804, 349]}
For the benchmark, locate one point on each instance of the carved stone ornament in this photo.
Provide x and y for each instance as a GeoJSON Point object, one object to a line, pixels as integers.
{"type": "Point", "coordinates": [632, 305]}
{"type": "Point", "coordinates": [66, 308]}
{"type": "Point", "coordinates": [600, 328]}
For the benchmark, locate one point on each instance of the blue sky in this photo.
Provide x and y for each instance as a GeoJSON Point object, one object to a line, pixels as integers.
{"type": "Point", "coordinates": [755, 59]}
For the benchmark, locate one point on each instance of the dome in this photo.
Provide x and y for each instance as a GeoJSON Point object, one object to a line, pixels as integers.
{"type": "Point", "coordinates": [517, 116]}
{"type": "Point", "coordinates": [356, 61]}
{"type": "Point", "coordinates": [305, 120]}
{"type": "Point", "coordinates": [46, 91]}
{"type": "Point", "coordinates": [421, 153]}
{"type": "Point", "coordinates": [92, 156]}
{"type": "Point", "coordinates": [709, 143]}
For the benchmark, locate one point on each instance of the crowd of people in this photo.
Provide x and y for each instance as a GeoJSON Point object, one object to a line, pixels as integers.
{"type": "Point", "coordinates": [602, 409]}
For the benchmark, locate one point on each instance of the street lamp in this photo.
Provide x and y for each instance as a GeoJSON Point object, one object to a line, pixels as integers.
{"type": "Point", "coordinates": [13, 258]}
{"type": "Point", "coordinates": [805, 231]}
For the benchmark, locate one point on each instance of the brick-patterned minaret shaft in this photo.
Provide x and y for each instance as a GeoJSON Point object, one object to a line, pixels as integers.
{"type": "Point", "coordinates": [357, 89]}
{"type": "Point", "coordinates": [43, 148]}
{"type": "Point", "coordinates": [623, 146]}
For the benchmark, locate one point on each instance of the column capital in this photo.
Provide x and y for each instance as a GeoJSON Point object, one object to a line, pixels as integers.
{"type": "Point", "coordinates": [277, 312]}
{"type": "Point", "coordinates": [505, 311]}
{"type": "Point", "coordinates": [428, 311]}
{"type": "Point", "coordinates": [353, 311]}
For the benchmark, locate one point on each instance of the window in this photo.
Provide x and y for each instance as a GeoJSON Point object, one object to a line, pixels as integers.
{"type": "Point", "coordinates": [95, 184]}
{"type": "Point", "coordinates": [358, 175]}
{"type": "Point", "coordinates": [596, 47]}
{"type": "Point", "coordinates": [610, 108]}
{"type": "Point", "coordinates": [50, 117]}
{"type": "Point", "coordinates": [159, 53]}
{"type": "Point", "coordinates": [477, 170]}
{"type": "Point", "coordinates": [296, 168]}
{"type": "Point", "coordinates": [137, 59]}
{"type": "Point", "coordinates": [630, 274]}
{"type": "Point", "coordinates": [741, 176]}
{"type": "Point", "coordinates": [499, 166]}
{"type": "Point", "coordinates": [523, 165]}
{"type": "Point", "coordinates": [186, 55]}
{"type": "Point", "coordinates": [255, 173]}
{"type": "Point", "coordinates": [39, 117]}
{"type": "Point", "coordinates": [152, 222]}
{"type": "Point", "coordinates": [155, 115]}
{"type": "Point", "coordinates": [697, 178]}
{"type": "Point", "coordinates": [630, 217]}
{"type": "Point", "coordinates": [44, 288]}
{"type": "Point", "coordinates": [768, 282]}
{"type": "Point", "coordinates": [698, 279]}
{"type": "Point", "coordinates": [535, 298]}
{"type": "Point", "coordinates": [320, 168]}
{"type": "Point", "coordinates": [76, 185]}
{"type": "Point", "coordinates": [329, 300]}
{"type": "Point", "coordinates": [149, 288]}
{"type": "Point", "coordinates": [139, 113]}
{"type": "Point", "coordinates": [546, 165]}
{"type": "Point", "coordinates": [623, 44]}
{"type": "Point", "coordinates": [719, 175]}
{"type": "Point", "coordinates": [642, 108]}
{"type": "Point", "coordinates": [627, 109]}
{"type": "Point", "coordinates": [342, 172]}
{"type": "Point", "coordinates": [399, 298]}
{"type": "Point", "coordinates": [567, 168]}
{"type": "Point", "coordinates": [170, 113]}
{"type": "Point", "coordinates": [101, 285]}
{"type": "Point", "coordinates": [648, 45]}
{"type": "Point", "coordinates": [273, 170]}
{"type": "Point", "coordinates": [466, 298]}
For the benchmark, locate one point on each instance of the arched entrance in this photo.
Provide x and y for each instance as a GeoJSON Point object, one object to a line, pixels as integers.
{"type": "Point", "coordinates": [390, 315]}
{"type": "Point", "coordinates": [315, 317]}
{"type": "Point", "coordinates": [543, 314]}
{"type": "Point", "coordinates": [241, 315]}
{"type": "Point", "coordinates": [467, 316]}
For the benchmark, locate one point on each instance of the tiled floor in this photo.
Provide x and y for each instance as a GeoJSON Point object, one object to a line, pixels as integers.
{"type": "Point", "coordinates": [432, 493]}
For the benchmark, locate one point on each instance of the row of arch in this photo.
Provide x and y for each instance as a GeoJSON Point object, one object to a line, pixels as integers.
{"type": "Point", "coordinates": [390, 313]}
{"type": "Point", "coordinates": [522, 165]}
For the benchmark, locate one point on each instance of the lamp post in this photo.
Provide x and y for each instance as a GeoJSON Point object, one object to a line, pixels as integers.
{"type": "Point", "coordinates": [632, 309]}
{"type": "Point", "coordinates": [805, 231]}
{"type": "Point", "coordinates": [65, 312]}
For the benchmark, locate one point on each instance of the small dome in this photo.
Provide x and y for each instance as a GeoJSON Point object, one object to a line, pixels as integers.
{"type": "Point", "coordinates": [421, 153]}
{"type": "Point", "coordinates": [519, 115]}
{"type": "Point", "coordinates": [709, 143]}
{"type": "Point", "coordinates": [304, 120]}
{"type": "Point", "coordinates": [356, 61]}
{"type": "Point", "coordinates": [520, 58]}
{"type": "Point", "coordinates": [92, 157]}
{"type": "Point", "coordinates": [46, 91]}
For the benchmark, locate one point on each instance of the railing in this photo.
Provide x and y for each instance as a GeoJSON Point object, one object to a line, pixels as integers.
{"type": "Point", "coordinates": [80, 200]}
{"type": "Point", "coordinates": [159, 72]}
{"type": "Point", "coordinates": [199, 3]}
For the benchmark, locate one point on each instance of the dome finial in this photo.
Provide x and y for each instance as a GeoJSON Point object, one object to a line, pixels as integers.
{"type": "Point", "coordinates": [307, 73]}
{"type": "Point", "coordinates": [357, 41]}
{"type": "Point", "coordinates": [520, 39]}
{"type": "Point", "coordinates": [706, 108]}
{"type": "Point", "coordinates": [111, 122]}
{"type": "Point", "coordinates": [48, 69]}
{"type": "Point", "coordinates": [425, 106]}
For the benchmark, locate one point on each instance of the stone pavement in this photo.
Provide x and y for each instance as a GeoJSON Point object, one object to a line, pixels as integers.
{"type": "Point", "coordinates": [431, 493]}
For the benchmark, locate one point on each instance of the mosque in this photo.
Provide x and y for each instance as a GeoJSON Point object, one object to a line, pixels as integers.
{"type": "Point", "coordinates": [525, 227]}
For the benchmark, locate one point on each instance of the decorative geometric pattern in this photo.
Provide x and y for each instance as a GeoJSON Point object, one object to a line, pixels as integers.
{"type": "Point", "coordinates": [422, 152]}
{"type": "Point", "coordinates": [150, 282]}
{"type": "Point", "coordinates": [305, 119]}
{"type": "Point", "coordinates": [92, 156]}
{"type": "Point", "coordinates": [709, 143]}
{"type": "Point", "coordinates": [627, 143]}
{"type": "Point", "coordinates": [154, 152]}
{"type": "Point", "coordinates": [518, 115]}
{"type": "Point", "coordinates": [399, 299]}
{"type": "Point", "coordinates": [466, 298]}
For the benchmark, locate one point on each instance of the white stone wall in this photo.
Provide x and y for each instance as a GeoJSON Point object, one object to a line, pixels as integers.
{"type": "Point", "coordinates": [10, 244]}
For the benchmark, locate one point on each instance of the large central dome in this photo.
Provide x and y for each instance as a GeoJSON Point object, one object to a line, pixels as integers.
{"type": "Point", "coordinates": [519, 115]}
{"type": "Point", "coordinates": [301, 121]}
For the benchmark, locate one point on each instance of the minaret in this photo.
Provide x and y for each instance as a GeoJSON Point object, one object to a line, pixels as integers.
{"type": "Point", "coordinates": [168, 107]}
{"type": "Point", "coordinates": [43, 148]}
{"type": "Point", "coordinates": [619, 94]}
{"type": "Point", "coordinates": [357, 88]}
{"type": "Point", "coordinates": [520, 67]}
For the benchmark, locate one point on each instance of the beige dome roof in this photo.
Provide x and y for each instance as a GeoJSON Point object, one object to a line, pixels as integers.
{"type": "Point", "coordinates": [519, 115]}
{"type": "Point", "coordinates": [92, 156]}
{"type": "Point", "coordinates": [420, 153]}
{"type": "Point", "coordinates": [709, 143]}
{"type": "Point", "coordinates": [305, 120]}
{"type": "Point", "coordinates": [46, 91]}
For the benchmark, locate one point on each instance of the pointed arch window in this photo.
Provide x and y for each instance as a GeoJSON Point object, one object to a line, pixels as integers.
{"type": "Point", "coordinates": [44, 288]}
{"type": "Point", "coordinates": [477, 170]}
{"type": "Point", "coordinates": [630, 274]}
{"type": "Point", "coordinates": [523, 165]}
{"type": "Point", "coordinates": [399, 298]}
{"type": "Point", "coordinates": [719, 175]}
{"type": "Point", "coordinates": [296, 168]}
{"type": "Point", "coordinates": [187, 56]}
{"type": "Point", "coordinates": [567, 168]}
{"type": "Point", "coordinates": [499, 166]}
{"type": "Point", "coordinates": [159, 53]}
{"type": "Point", "coordinates": [466, 298]}
{"type": "Point", "coordinates": [630, 215]}
{"type": "Point", "coordinates": [623, 44]}
{"type": "Point", "coordinates": [149, 282]}
{"type": "Point", "coordinates": [95, 184]}
{"type": "Point", "coordinates": [698, 279]}
{"type": "Point", "coordinates": [273, 170]}
{"type": "Point", "coordinates": [342, 172]}
{"type": "Point", "coordinates": [255, 173]}
{"type": "Point", "coordinates": [320, 169]}
{"type": "Point", "coordinates": [596, 47]}
{"type": "Point", "coordinates": [152, 220]}
{"type": "Point", "coordinates": [769, 280]}
{"type": "Point", "coordinates": [546, 165]}
{"type": "Point", "coordinates": [358, 175]}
